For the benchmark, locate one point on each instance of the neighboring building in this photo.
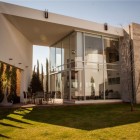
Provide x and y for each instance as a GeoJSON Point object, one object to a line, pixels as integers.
{"type": "Point", "coordinates": [88, 61]}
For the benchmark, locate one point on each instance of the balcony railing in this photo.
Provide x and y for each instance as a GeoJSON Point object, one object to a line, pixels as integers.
{"type": "Point", "coordinates": [86, 65]}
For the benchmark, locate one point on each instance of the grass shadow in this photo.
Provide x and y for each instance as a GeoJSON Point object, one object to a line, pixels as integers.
{"type": "Point", "coordinates": [4, 112]}
{"type": "Point", "coordinates": [88, 117]}
{"type": "Point", "coordinates": [28, 109]}
{"type": "Point", "coordinates": [4, 115]}
{"type": "Point", "coordinates": [16, 120]}
{"type": "Point", "coordinates": [18, 114]}
{"type": "Point", "coordinates": [5, 124]}
{"type": "Point", "coordinates": [3, 136]}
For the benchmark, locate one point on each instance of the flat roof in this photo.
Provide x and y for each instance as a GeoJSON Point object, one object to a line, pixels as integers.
{"type": "Point", "coordinates": [46, 31]}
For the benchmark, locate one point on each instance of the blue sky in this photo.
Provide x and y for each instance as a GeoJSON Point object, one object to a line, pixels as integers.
{"type": "Point", "coordinates": [114, 12]}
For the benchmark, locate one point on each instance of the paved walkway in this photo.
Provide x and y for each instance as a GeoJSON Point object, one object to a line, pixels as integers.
{"type": "Point", "coordinates": [21, 105]}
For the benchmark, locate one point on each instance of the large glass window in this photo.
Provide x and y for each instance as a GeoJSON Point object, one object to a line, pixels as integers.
{"type": "Point", "coordinates": [52, 83]}
{"type": "Point", "coordinates": [52, 59]}
{"type": "Point", "coordinates": [94, 84]}
{"type": "Point", "coordinates": [58, 56]}
{"type": "Point", "coordinates": [93, 51]}
{"type": "Point", "coordinates": [58, 84]}
{"type": "Point", "coordinates": [77, 84]}
{"type": "Point", "coordinates": [65, 53]}
{"type": "Point", "coordinates": [111, 68]}
{"type": "Point", "coordinates": [111, 51]}
{"type": "Point", "coordinates": [80, 50]}
{"type": "Point", "coordinates": [112, 84]}
{"type": "Point", "coordinates": [86, 67]}
{"type": "Point", "coordinates": [65, 85]}
{"type": "Point", "coordinates": [73, 50]}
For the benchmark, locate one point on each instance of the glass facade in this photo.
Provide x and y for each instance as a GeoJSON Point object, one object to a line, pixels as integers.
{"type": "Point", "coordinates": [85, 67]}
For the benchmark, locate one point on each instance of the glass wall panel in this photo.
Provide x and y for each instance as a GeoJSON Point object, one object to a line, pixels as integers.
{"type": "Point", "coordinates": [52, 83]}
{"type": "Point", "coordinates": [94, 85]}
{"type": "Point", "coordinates": [58, 56]}
{"type": "Point", "coordinates": [76, 50]}
{"type": "Point", "coordinates": [58, 85]}
{"type": "Point", "coordinates": [73, 50]}
{"type": "Point", "coordinates": [65, 53]}
{"type": "Point", "coordinates": [111, 69]}
{"type": "Point", "coordinates": [65, 85]}
{"type": "Point", "coordinates": [111, 51]}
{"type": "Point", "coordinates": [93, 51]}
{"type": "Point", "coordinates": [52, 59]}
{"type": "Point", "coordinates": [80, 49]}
{"type": "Point", "coordinates": [112, 84]}
{"type": "Point", "coordinates": [77, 84]}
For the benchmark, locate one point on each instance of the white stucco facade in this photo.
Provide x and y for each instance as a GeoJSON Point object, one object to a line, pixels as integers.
{"type": "Point", "coordinates": [14, 45]}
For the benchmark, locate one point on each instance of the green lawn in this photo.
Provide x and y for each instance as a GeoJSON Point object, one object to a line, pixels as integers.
{"type": "Point", "coordinates": [88, 122]}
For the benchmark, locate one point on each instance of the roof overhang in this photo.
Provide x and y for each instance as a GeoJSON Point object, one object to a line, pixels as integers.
{"type": "Point", "coordinates": [46, 31]}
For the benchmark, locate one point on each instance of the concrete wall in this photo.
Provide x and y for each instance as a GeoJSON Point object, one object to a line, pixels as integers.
{"type": "Point", "coordinates": [14, 45]}
{"type": "Point", "coordinates": [135, 36]}
{"type": "Point", "coordinates": [130, 78]}
{"type": "Point", "coordinates": [125, 71]}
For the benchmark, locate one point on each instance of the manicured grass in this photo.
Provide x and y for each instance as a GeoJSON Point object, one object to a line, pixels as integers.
{"type": "Point", "coordinates": [90, 122]}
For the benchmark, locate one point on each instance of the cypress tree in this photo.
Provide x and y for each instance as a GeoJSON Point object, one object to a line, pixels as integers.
{"type": "Point", "coordinates": [36, 84]}
{"type": "Point", "coordinates": [37, 68]}
{"type": "Point", "coordinates": [34, 68]}
{"type": "Point", "coordinates": [42, 75]}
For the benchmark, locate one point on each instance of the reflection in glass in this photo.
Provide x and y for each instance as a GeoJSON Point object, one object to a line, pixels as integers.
{"type": "Point", "coordinates": [58, 85]}
{"type": "Point", "coordinates": [76, 50]}
{"type": "Point", "coordinates": [112, 84]}
{"type": "Point", "coordinates": [52, 83]}
{"type": "Point", "coordinates": [93, 49]}
{"type": "Point", "coordinates": [52, 58]}
{"type": "Point", "coordinates": [73, 50]}
{"type": "Point", "coordinates": [111, 50]}
{"type": "Point", "coordinates": [65, 53]}
{"type": "Point", "coordinates": [94, 85]}
{"type": "Point", "coordinates": [76, 84]}
{"type": "Point", "coordinates": [65, 85]}
{"type": "Point", "coordinates": [58, 57]}
{"type": "Point", "coordinates": [93, 76]}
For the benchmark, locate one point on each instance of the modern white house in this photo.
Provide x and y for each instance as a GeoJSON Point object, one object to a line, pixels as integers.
{"type": "Point", "coordinates": [89, 62]}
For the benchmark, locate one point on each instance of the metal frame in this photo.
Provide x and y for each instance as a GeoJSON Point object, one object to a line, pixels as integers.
{"type": "Point", "coordinates": [83, 38]}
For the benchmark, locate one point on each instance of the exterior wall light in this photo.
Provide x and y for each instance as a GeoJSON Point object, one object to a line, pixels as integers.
{"type": "Point", "coordinates": [10, 59]}
{"type": "Point", "coordinates": [106, 26]}
{"type": "Point", "coordinates": [46, 14]}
